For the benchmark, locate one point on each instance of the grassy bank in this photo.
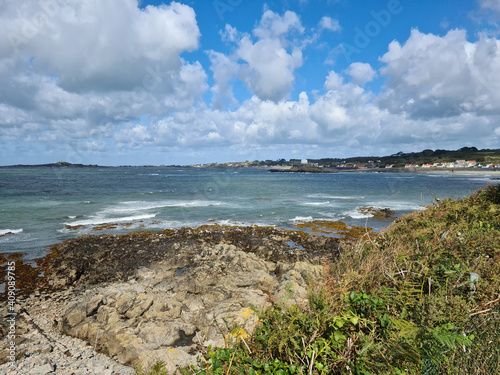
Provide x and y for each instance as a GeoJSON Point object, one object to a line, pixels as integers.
{"type": "Point", "coordinates": [421, 297]}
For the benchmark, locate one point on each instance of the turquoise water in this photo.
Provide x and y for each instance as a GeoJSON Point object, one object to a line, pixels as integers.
{"type": "Point", "coordinates": [43, 206]}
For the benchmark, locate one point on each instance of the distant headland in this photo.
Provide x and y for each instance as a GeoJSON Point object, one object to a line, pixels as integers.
{"type": "Point", "coordinates": [60, 164]}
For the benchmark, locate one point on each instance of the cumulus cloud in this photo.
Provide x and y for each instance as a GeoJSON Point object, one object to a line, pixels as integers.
{"type": "Point", "coordinates": [106, 77]}
{"type": "Point", "coordinates": [432, 76]}
{"type": "Point", "coordinates": [343, 115]}
{"type": "Point", "coordinates": [333, 81]}
{"type": "Point", "coordinates": [224, 69]}
{"type": "Point", "coordinates": [265, 62]}
{"type": "Point", "coordinates": [95, 45]}
{"type": "Point", "coordinates": [256, 121]}
{"type": "Point", "coordinates": [361, 73]}
{"type": "Point", "coordinates": [269, 67]}
{"type": "Point", "coordinates": [272, 25]}
{"type": "Point", "coordinates": [78, 70]}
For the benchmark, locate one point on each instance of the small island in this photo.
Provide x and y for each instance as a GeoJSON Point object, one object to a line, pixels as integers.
{"type": "Point", "coordinates": [59, 164]}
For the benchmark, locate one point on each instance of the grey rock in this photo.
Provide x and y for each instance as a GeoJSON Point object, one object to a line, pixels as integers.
{"type": "Point", "coordinates": [189, 289]}
{"type": "Point", "coordinates": [94, 304]}
{"type": "Point", "coordinates": [43, 370]}
{"type": "Point", "coordinates": [44, 348]}
{"type": "Point", "coordinates": [205, 300]}
{"type": "Point", "coordinates": [75, 314]}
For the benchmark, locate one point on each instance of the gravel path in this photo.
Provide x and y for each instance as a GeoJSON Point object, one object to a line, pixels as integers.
{"type": "Point", "coordinates": [44, 351]}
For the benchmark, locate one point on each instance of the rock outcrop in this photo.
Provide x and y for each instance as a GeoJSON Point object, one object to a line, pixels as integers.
{"type": "Point", "coordinates": [144, 297]}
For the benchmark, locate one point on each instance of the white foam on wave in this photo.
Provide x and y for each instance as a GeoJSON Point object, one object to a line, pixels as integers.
{"type": "Point", "coordinates": [355, 214]}
{"type": "Point", "coordinates": [196, 204]}
{"type": "Point", "coordinates": [483, 178]}
{"type": "Point", "coordinates": [10, 231]}
{"type": "Point", "coordinates": [328, 196]}
{"type": "Point", "coordinates": [441, 175]}
{"type": "Point", "coordinates": [96, 220]}
{"type": "Point", "coordinates": [302, 218]}
{"type": "Point", "coordinates": [134, 206]}
{"type": "Point", "coordinates": [322, 204]}
{"type": "Point", "coordinates": [122, 226]}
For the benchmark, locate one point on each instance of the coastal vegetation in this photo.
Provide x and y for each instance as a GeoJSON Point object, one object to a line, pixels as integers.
{"type": "Point", "coordinates": [423, 296]}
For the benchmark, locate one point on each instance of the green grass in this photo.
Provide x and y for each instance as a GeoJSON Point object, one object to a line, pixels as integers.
{"type": "Point", "coordinates": [400, 302]}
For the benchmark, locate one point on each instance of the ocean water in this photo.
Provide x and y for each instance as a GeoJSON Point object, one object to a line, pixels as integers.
{"type": "Point", "coordinates": [43, 206]}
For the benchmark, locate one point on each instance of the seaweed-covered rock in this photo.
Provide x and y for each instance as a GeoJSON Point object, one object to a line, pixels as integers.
{"type": "Point", "coordinates": [92, 259]}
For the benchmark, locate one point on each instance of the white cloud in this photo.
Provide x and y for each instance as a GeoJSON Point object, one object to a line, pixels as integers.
{"type": "Point", "coordinates": [333, 81]}
{"type": "Point", "coordinates": [328, 23]}
{"type": "Point", "coordinates": [224, 69]}
{"type": "Point", "coordinates": [79, 70]}
{"type": "Point", "coordinates": [361, 73]}
{"type": "Point", "coordinates": [95, 45]}
{"type": "Point", "coordinates": [432, 76]}
{"type": "Point", "coordinates": [269, 67]}
{"type": "Point", "coordinates": [272, 25]}
{"type": "Point", "coordinates": [266, 65]}
{"type": "Point", "coordinates": [230, 34]}
{"type": "Point", "coordinates": [343, 115]}
{"type": "Point", "coordinates": [107, 78]}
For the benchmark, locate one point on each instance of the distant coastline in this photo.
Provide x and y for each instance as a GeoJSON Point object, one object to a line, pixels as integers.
{"type": "Point", "coordinates": [299, 169]}
{"type": "Point", "coordinates": [464, 160]}
{"type": "Point", "coordinates": [478, 171]}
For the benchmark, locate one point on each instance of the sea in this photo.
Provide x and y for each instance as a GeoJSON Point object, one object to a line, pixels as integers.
{"type": "Point", "coordinates": [43, 206]}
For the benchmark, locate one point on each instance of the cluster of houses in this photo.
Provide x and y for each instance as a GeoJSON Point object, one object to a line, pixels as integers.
{"type": "Point", "coordinates": [345, 165]}
{"type": "Point", "coordinates": [456, 164]}
{"type": "Point", "coordinates": [369, 164]}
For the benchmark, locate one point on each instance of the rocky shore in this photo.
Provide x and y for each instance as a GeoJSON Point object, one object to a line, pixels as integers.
{"type": "Point", "coordinates": [103, 304]}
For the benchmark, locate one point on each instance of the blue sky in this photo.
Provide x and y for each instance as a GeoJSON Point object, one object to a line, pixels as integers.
{"type": "Point", "coordinates": [125, 82]}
